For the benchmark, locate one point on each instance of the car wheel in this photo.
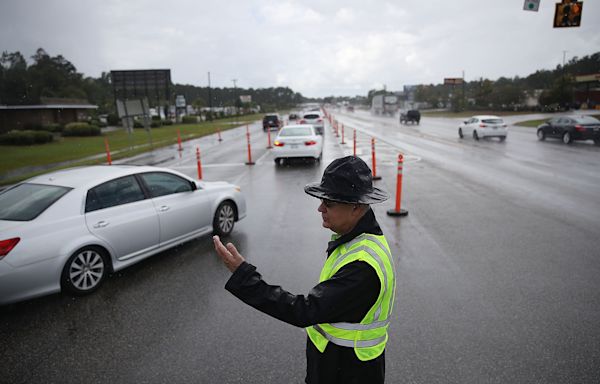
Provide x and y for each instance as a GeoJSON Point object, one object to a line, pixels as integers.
{"type": "Point", "coordinates": [85, 270]}
{"type": "Point", "coordinates": [597, 141]}
{"type": "Point", "coordinates": [475, 135]}
{"type": "Point", "coordinates": [541, 135]}
{"type": "Point", "coordinates": [567, 138]}
{"type": "Point", "coordinates": [502, 138]}
{"type": "Point", "coordinates": [276, 161]}
{"type": "Point", "coordinates": [460, 133]}
{"type": "Point", "coordinates": [224, 219]}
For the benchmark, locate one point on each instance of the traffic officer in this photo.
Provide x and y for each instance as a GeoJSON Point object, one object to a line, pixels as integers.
{"type": "Point", "coordinates": [347, 314]}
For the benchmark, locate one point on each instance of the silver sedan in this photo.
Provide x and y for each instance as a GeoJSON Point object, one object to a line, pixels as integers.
{"type": "Point", "coordinates": [69, 229]}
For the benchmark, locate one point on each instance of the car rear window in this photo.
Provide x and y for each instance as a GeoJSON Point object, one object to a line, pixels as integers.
{"type": "Point", "coordinates": [586, 120]}
{"type": "Point", "coordinates": [271, 118]}
{"type": "Point", "coordinates": [312, 116]}
{"type": "Point", "coordinates": [296, 131]}
{"type": "Point", "coordinates": [27, 201]}
{"type": "Point", "coordinates": [493, 121]}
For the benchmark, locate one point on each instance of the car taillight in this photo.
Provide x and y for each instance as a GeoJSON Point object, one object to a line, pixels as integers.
{"type": "Point", "coordinates": [320, 121]}
{"type": "Point", "coordinates": [579, 128]}
{"type": "Point", "coordinates": [302, 121]}
{"type": "Point", "coordinates": [310, 142]}
{"type": "Point", "coordinates": [7, 245]}
{"type": "Point", "coordinates": [278, 143]}
{"type": "Point", "coordinates": [482, 125]}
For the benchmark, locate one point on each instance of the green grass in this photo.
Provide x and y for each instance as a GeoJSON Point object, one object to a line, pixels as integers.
{"type": "Point", "coordinates": [78, 149]}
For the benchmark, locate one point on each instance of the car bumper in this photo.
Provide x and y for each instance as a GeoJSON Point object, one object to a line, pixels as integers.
{"type": "Point", "coordinates": [492, 132]}
{"type": "Point", "coordinates": [283, 152]}
{"type": "Point", "coordinates": [28, 281]}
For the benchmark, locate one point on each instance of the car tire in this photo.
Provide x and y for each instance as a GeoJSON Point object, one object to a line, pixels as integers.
{"type": "Point", "coordinates": [85, 271]}
{"type": "Point", "coordinates": [475, 135]}
{"type": "Point", "coordinates": [597, 141]}
{"type": "Point", "coordinates": [460, 133]}
{"type": "Point", "coordinates": [541, 135]}
{"type": "Point", "coordinates": [567, 139]}
{"type": "Point", "coordinates": [224, 219]}
{"type": "Point", "coordinates": [502, 138]}
{"type": "Point", "coordinates": [276, 160]}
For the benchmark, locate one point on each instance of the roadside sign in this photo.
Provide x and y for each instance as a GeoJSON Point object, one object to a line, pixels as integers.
{"type": "Point", "coordinates": [531, 5]}
{"type": "Point", "coordinates": [180, 101]}
{"type": "Point", "coordinates": [453, 80]}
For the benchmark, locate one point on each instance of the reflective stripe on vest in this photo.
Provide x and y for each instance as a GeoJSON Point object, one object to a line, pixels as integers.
{"type": "Point", "coordinates": [350, 343]}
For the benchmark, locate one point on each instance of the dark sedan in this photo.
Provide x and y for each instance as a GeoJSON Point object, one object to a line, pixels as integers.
{"type": "Point", "coordinates": [569, 128]}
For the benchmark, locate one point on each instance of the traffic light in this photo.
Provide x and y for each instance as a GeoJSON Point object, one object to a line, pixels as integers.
{"type": "Point", "coordinates": [568, 14]}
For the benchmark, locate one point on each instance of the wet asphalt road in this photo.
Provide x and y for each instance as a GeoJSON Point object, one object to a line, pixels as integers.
{"type": "Point", "coordinates": [498, 267]}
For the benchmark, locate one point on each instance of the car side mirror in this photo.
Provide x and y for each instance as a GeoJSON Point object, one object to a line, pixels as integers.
{"type": "Point", "coordinates": [465, 122]}
{"type": "Point", "coordinates": [194, 185]}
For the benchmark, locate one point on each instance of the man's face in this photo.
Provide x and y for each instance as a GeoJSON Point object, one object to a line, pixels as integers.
{"type": "Point", "coordinates": [339, 217]}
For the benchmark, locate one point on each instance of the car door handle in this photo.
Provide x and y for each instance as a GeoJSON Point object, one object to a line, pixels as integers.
{"type": "Point", "coordinates": [101, 224]}
{"type": "Point", "coordinates": [164, 208]}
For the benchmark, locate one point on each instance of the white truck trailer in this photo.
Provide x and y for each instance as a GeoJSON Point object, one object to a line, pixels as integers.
{"type": "Point", "coordinates": [384, 105]}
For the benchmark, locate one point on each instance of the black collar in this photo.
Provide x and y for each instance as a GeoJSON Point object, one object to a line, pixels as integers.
{"type": "Point", "coordinates": [367, 224]}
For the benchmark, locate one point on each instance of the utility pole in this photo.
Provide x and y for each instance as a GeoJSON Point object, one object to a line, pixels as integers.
{"type": "Point", "coordinates": [234, 100]}
{"type": "Point", "coordinates": [209, 99]}
{"type": "Point", "coordinates": [564, 55]}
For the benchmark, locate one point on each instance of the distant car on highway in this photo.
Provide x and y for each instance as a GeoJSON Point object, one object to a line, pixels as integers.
{"type": "Point", "coordinates": [293, 116]}
{"type": "Point", "coordinates": [570, 128]}
{"type": "Point", "coordinates": [67, 230]}
{"type": "Point", "coordinates": [297, 141]}
{"type": "Point", "coordinates": [315, 119]}
{"type": "Point", "coordinates": [410, 116]}
{"type": "Point", "coordinates": [482, 126]}
{"type": "Point", "coordinates": [271, 121]}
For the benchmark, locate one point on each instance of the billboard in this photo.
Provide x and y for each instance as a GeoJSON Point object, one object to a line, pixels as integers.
{"type": "Point", "coordinates": [453, 80]}
{"type": "Point", "coordinates": [154, 84]}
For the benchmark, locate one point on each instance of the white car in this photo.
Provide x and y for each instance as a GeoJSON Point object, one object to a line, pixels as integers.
{"type": "Point", "coordinates": [299, 141]}
{"type": "Point", "coordinates": [482, 126]}
{"type": "Point", "coordinates": [69, 229]}
{"type": "Point", "coordinates": [315, 119]}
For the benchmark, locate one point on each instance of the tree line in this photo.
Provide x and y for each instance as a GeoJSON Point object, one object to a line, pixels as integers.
{"type": "Point", "coordinates": [48, 76]}
{"type": "Point", "coordinates": [549, 87]}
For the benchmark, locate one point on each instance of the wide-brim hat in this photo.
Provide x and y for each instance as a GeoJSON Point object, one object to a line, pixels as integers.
{"type": "Point", "coordinates": [347, 180]}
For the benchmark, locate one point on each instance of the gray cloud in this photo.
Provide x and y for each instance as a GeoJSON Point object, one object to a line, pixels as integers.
{"type": "Point", "coordinates": [318, 48]}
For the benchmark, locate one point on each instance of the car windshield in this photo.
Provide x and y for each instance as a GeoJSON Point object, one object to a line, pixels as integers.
{"type": "Point", "coordinates": [25, 202]}
{"type": "Point", "coordinates": [586, 120]}
{"type": "Point", "coordinates": [492, 121]}
{"type": "Point", "coordinates": [296, 131]}
{"type": "Point", "coordinates": [312, 116]}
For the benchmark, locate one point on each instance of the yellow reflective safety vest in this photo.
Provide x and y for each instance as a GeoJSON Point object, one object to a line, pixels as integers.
{"type": "Point", "coordinates": [368, 338]}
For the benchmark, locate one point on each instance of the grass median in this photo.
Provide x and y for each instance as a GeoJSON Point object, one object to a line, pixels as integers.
{"type": "Point", "coordinates": [78, 150]}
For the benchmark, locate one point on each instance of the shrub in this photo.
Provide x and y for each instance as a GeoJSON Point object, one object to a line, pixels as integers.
{"type": "Point", "coordinates": [98, 123]}
{"type": "Point", "coordinates": [167, 122]}
{"type": "Point", "coordinates": [155, 123]}
{"type": "Point", "coordinates": [113, 119]}
{"type": "Point", "coordinates": [26, 137]}
{"type": "Point", "coordinates": [81, 129]}
{"type": "Point", "coordinates": [189, 120]}
{"type": "Point", "coordinates": [54, 127]}
{"type": "Point", "coordinates": [137, 124]}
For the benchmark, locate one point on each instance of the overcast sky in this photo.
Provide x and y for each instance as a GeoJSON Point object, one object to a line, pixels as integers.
{"type": "Point", "coordinates": [318, 48]}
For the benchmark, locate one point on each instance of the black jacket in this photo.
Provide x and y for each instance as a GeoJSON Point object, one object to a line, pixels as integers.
{"type": "Point", "coordinates": [346, 297]}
